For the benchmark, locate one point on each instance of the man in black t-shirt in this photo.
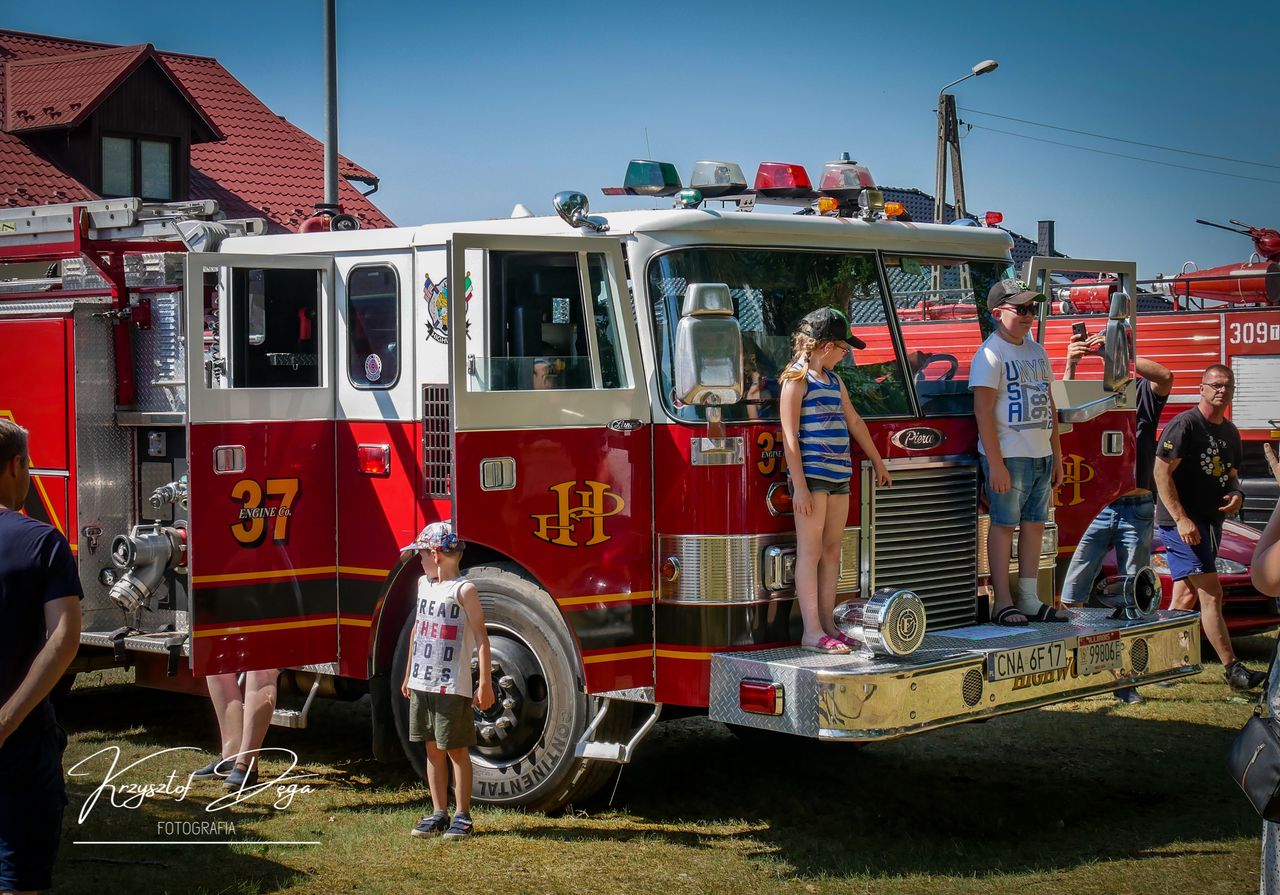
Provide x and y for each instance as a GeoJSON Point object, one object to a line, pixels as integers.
{"type": "Point", "coordinates": [1128, 522]}
{"type": "Point", "coordinates": [1197, 459]}
{"type": "Point", "coordinates": [39, 634]}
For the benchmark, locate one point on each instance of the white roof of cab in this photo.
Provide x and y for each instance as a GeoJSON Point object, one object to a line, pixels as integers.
{"type": "Point", "coordinates": [756, 227]}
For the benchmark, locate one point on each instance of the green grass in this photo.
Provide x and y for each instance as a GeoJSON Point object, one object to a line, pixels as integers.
{"type": "Point", "coordinates": [1092, 797]}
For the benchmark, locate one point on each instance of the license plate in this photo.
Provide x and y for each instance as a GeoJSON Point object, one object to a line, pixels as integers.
{"type": "Point", "coordinates": [1099, 652]}
{"type": "Point", "coordinates": [1036, 659]}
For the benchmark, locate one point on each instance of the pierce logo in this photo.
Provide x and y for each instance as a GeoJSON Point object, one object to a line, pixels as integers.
{"type": "Point", "coordinates": [582, 509]}
{"type": "Point", "coordinates": [918, 438]}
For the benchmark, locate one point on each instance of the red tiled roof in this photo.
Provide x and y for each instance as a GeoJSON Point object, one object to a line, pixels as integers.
{"type": "Point", "coordinates": [264, 166]}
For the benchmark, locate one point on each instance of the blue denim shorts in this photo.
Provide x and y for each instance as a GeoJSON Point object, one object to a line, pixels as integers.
{"type": "Point", "coordinates": [1027, 499]}
{"type": "Point", "coordinates": [1185, 560]}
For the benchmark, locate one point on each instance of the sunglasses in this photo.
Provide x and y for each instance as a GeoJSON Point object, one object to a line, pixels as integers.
{"type": "Point", "coordinates": [1218, 386]}
{"type": "Point", "coordinates": [1026, 310]}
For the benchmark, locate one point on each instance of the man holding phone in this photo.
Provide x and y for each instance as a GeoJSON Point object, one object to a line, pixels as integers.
{"type": "Point", "coordinates": [1128, 522]}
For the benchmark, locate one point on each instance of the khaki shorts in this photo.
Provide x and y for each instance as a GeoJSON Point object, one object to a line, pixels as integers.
{"type": "Point", "coordinates": [442, 717]}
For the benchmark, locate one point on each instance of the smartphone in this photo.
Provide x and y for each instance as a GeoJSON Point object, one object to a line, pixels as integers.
{"type": "Point", "coordinates": [1080, 330]}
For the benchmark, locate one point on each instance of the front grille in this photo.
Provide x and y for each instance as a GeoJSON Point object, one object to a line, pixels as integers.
{"type": "Point", "coordinates": [923, 535]}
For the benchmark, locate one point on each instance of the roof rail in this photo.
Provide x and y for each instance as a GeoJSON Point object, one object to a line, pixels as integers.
{"type": "Point", "coordinates": [114, 219]}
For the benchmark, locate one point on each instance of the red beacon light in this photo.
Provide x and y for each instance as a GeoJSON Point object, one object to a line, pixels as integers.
{"type": "Point", "coordinates": [646, 177]}
{"type": "Point", "coordinates": [714, 179]}
{"type": "Point", "coordinates": [781, 180]}
{"type": "Point", "coordinates": [993, 218]}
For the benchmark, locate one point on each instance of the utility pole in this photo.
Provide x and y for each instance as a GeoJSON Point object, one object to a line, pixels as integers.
{"type": "Point", "coordinates": [331, 105]}
{"type": "Point", "coordinates": [949, 140]}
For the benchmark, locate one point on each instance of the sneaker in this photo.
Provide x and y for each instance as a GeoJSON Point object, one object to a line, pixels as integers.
{"type": "Point", "coordinates": [239, 779]}
{"type": "Point", "coordinates": [432, 825]}
{"type": "Point", "coordinates": [219, 767]}
{"type": "Point", "coordinates": [1241, 678]}
{"type": "Point", "coordinates": [1130, 696]}
{"type": "Point", "coordinates": [460, 828]}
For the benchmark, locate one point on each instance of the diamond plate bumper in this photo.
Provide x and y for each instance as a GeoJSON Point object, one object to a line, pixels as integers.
{"type": "Point", "coordinates": [947, 681]}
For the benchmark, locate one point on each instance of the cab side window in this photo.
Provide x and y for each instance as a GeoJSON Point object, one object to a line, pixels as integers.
{"type": "Point", "coordinates": [373, 327]}
{"type": "Point", "coordinates": [274, 328]}
{"type": "Point", "coordinates": [539, 329]}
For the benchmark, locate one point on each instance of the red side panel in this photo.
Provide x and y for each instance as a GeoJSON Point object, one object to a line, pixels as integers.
{"type": "Point", "coordinates": [580, 520]}
{"type": "Point", "coordinates": [376, 516]}
{"type": "Point", "coordinates": [34, 388]}
{"type": "Point", "coordinates": [262, 556]}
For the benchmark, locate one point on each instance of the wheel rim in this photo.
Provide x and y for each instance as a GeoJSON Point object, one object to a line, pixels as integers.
{"type": "Point", "coordinates": [513, 726]}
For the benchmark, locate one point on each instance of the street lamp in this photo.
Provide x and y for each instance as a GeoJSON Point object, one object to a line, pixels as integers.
{"type": "Point", "coordinates": [949, 135]}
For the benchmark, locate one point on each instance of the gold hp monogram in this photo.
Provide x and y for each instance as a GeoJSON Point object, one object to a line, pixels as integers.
{"type": "Point", "coordinates": [595, 503]}
{"type": "Point", "coordinates": [1076, 472]}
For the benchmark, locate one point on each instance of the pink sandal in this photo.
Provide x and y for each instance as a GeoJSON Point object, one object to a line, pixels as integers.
{"type": "Point", "coordinates": [854, 645]}
{"type": "Point", "coordinates": [827, 644]}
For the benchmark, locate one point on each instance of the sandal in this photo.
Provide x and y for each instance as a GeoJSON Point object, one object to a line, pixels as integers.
{"type": "Point", "coordinates": [827, 644]}
{"type": "Point", "coordinates": [1003, 617]}
{"type": "Point", "coordinates": [848, 641]}
{"type": "Point", "coordinates": [1047, 613]}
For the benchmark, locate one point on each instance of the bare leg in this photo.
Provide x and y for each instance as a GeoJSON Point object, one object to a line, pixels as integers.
{"type": "Point", "coordinates": [259, 703]}
{"type": "Point", "coordinates": [1209, 591]}
{"type": "Point", "coordinates": [999, 545]}
{"type": "Point", "coordinates": [836, 516]}
{"type": "Point", "coordinates": [461, 761]}
{"type": "Point", "coordinates": [1184, 595]}
{"type": "Point", "coordinates": [1029, 549]}
{"type": "Point", "coordinates": [808, 555]}
{"type": "Point", "coordinates": [228, 706]}
{"type": "Point", "coordinates": [438, 777]}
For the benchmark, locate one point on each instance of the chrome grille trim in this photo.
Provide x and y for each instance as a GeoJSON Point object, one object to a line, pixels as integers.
{"type": "Point", "coordinates": [731, 568]}
{"type": "Point", "coordinates": [922, 534]}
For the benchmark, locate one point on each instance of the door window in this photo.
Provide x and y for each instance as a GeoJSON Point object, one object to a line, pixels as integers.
{"type": "Point", "coordinates": [373, 327]}
{"type": "Point", "coordinates": [274, 333]}
{"type": "Point", "coordinates": [547, 321]}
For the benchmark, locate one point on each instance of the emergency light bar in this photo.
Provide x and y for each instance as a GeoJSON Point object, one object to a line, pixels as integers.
{"type": "Point", "coordinates": [646, 177]}
{"type": "Point", "coordinates": [781, 180]}
{"type": "Point", "coordinates": [845, 179]}
{"type": "Point", "coordinates": [714, 179]}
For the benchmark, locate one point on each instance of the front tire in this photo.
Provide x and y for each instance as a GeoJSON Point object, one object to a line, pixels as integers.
{"type": "Point", "coordinates": [524, 757]}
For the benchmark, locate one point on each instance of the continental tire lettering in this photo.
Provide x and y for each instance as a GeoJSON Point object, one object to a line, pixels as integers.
{"type": "Point", "coordinates": [527, 774]}
{"type": "Point", "coordinates": [251, 528]}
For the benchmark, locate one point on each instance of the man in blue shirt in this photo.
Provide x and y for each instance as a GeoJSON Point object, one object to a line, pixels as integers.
{"type": "Point", "coordinates": [39, 634]}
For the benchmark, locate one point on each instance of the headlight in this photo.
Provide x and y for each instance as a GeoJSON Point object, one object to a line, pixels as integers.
{"type": "Point", "coordinates": [1160, 563]}
{"type": "Point", "coordinates": [1230, 567]}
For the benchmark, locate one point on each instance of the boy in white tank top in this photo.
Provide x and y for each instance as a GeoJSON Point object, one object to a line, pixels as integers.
{"type": "Point", "coordinates": [448, 624]}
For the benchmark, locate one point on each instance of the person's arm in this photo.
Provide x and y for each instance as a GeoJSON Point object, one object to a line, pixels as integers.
{"type": "Point", "coordinates": [62, 630]}
{"type": "Point", "coordinates": [1077, 349]}
{"type": "Point", "coordinates": [858, 430]}
{"type": "Point", "coordinates": [1055, 439]}
{"type": "Point", "coordinates": [1168, 492]}
{"type": "Point", "coordinates": [984, 410]}
{"type": "Point", "coordinates": [789, 407]}
{"type": "Point", "coordinates": [1265, 566]}
{"type": "Point", "coordinates": [1160, 376]}
{"type": "Point", "coordinates": [469, 597]}
{"type": "Point", "coordinates": [408, 663]}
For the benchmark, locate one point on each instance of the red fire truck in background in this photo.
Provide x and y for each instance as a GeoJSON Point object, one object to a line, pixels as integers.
{"type": "Point", "coordinates": [236, 432]}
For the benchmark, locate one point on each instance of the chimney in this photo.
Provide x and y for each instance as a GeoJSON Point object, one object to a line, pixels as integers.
{"type": "Point", "coordinates": [1044, 238]}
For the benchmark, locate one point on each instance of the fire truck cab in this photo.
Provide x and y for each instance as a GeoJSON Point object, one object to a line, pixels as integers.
{"type": "Point", "coordinates": [592, 399]}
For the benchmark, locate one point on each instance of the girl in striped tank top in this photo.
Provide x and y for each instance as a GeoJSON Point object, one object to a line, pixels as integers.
{"type": "Point", "coordinates": [817, 422]}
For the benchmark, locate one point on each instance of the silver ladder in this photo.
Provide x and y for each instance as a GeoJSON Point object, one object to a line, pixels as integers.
{"type": "Point", "coordinates": [119, 219]}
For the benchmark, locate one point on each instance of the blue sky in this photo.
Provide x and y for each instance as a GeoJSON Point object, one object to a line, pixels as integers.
{"type": "Point", "coordinates": [465, 109]}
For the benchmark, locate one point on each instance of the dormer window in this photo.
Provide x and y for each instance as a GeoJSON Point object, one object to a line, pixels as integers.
{"type": "Point", "coordinates": [137, 166]}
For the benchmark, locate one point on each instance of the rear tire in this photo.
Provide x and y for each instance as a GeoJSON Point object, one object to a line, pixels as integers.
{"type": "Point", "coordinates": [524, 757]}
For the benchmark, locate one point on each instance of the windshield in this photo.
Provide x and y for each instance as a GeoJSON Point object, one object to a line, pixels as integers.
{"type": "Point", "coordinates": [941, 305]}
{"type": "Point", "coordinates": [772, 290]}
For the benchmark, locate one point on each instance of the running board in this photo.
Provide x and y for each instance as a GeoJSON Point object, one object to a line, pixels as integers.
{"type": "Point", "coordinates": [619, 753]}
{"type": "Point", "coordinates": [958, 675]}
{"type": "Point", "coordinates": [296, 718]}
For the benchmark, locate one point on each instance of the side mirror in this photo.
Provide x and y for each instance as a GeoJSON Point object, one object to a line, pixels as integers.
{"type": "Point", "coordinates": [574, 209]}
{"type": "Point", "coordinates": [1118, 355]}
{"type": "Point", "coordinates": [708, 358]}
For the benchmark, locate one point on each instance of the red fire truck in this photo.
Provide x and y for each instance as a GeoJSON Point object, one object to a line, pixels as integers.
{"type": "Point", "coordinates": [236, 432]}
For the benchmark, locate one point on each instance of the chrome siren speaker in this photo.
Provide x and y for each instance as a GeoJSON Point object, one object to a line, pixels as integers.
{"type": "Point", "coordinates": [890, 623]}
{"type": "Point", "coordinates": [1131, 596]}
